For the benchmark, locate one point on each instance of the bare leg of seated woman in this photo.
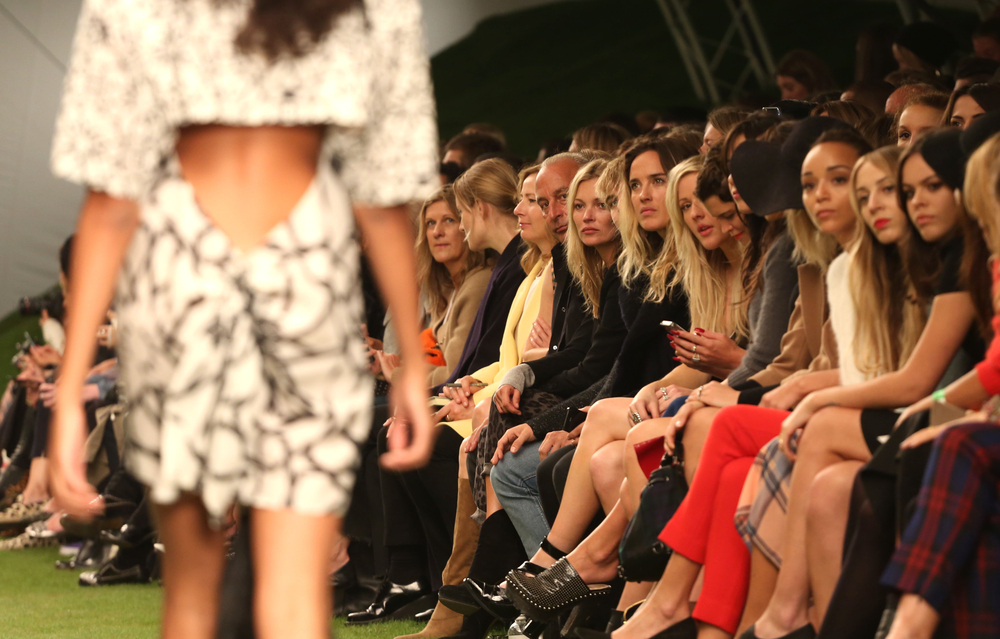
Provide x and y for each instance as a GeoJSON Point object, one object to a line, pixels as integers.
{"type": "Point", "coordinates": [826, 527]}
{"type": "Point", "coordinates": [832, 436]}
{"type": "Point", "coordinates": [606, 423]}
{"type": "Point", "coordinates": [763, 575]}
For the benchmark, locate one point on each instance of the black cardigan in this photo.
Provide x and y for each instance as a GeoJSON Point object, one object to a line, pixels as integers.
{"type": "Point", "coordinates": [483, 342]}
{"type": "Point", "coordinates": [646, 354]}
{"type": "Point", "coordinates": [601, 345]}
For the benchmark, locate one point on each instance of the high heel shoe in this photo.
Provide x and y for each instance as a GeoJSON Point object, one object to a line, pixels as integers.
{"type": "Point", "coordinates": [686, 629]}
{"type": "Point", "coordinates": [492, 599]}
{"type": "Point", "coordinates": [805, 632]}
{"type": "Point", "coordinates": [554, 591]}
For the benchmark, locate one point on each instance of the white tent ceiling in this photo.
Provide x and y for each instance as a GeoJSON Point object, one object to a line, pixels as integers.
{"type": "Point", "coordinates": [37, 211]}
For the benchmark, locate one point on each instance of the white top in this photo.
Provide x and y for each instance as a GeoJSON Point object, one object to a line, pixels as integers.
{"type": "Point", "coordinates": [843, 317]}
{"type": "Point", "coordinates": [141, 69]}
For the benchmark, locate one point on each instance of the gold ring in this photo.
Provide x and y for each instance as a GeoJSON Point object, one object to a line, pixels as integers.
{"type": "Point", "coordinates": [694, 349]}
{"type": "Point", "coordinates": [636, 418]}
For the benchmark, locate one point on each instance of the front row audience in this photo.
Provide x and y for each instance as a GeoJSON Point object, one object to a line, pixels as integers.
{"type": "Point", "coordinates": [790, 312]}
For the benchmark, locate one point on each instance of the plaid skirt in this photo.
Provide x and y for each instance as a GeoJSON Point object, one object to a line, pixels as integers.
{"type": "Point", "coordinates": [763, 506]}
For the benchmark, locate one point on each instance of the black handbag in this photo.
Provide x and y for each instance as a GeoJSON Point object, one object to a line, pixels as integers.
{"type": "Point", "coordinates": [641, 555]}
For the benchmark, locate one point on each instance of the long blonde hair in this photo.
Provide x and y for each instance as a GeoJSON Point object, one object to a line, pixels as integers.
{"type": "Point", "coordinates": [585, 262]}
{"type": "Point", "coordinates": [708, 278]}
{"type": "Point", "coordinates": [532, 253]}
{"type": "Point", "coordinates": [435, 281]}
{"type": "Point", "coordinates": [889, 319]}
{"type": "Point", "coordinates": [981, 193]}
{"type": "Point", "coordinates": [812, 245]}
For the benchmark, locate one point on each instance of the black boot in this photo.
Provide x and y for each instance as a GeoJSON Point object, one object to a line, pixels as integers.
{"type": "Point", "coordinates": [474, 626]}
{"type": "Point", "coordinates": [499, 551]}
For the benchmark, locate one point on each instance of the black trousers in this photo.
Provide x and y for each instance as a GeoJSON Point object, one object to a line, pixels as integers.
{"type": "Point", "coordinates": [551, 478]}
{"type": "Point", "coordinates": [419, 505]}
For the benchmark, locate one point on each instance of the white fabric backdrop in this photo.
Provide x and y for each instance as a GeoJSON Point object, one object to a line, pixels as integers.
{"type": "Point", "coordinates": [37, 211]}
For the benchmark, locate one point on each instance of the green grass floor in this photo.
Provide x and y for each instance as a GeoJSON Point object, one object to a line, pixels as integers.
{"type": "Point", "coordinates": [39, 602]}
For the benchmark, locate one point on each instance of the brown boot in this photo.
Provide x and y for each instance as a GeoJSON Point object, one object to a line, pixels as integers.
{"type": "Point", "coordinates": [445, 622]}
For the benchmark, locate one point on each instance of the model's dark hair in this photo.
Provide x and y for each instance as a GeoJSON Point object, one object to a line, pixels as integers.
{"type": "Point", "coordinates": [808, 69]}
{"type": "Point", "coordinates": [473, 145]}
{"type": "Point", "coordinates": [986, 95]}
{"type": "Point", "coordinates": [66, 255]}
{"type": "Point", "coordinates": [842, 135]}
{"type": "Point", "coordinates": [278, 28]}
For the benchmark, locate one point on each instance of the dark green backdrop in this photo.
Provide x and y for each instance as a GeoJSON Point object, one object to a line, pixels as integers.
{"type": "Point", "coordinates": [545, 71]}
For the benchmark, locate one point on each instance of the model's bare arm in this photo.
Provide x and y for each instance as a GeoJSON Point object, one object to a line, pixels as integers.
{"type": "Point", "coordinates": [389, 239]}
{"type": "Point", "coordinates": [103, 233]}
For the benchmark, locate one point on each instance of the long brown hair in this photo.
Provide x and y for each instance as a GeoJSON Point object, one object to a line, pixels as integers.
{"type": "Point", "coordinates": [278, 28]}
{"type": "Point", "coordinates": [585, 262]}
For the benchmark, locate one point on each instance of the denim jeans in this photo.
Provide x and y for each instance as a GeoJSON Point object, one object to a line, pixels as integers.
{"type": "Point", "coordinates": [515, 486]}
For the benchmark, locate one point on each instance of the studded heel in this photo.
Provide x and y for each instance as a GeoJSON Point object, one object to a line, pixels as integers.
{"type": "Point", "coordinates": [552, 592]}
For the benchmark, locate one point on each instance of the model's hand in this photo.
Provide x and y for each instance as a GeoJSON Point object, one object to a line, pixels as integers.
{"type": "Point", "coordinates": [540, 335]}
{"type": "Point", "coordinates": [67, 469]}
{"type": "Point", "coordinates": [507, 399]}
{"type": "Point", "coordinates": [45, 355]}
{"type": "Point", "coordinates": [410, 446]}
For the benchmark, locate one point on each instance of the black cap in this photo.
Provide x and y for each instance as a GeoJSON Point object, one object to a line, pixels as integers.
{"type": "Point", "coordinates": [981, 129]}
{"type": "Point", "coordinates": [931, 42]}
{"type": "Point", "coordinates": [752, 168]}
{"type": "Point", "coordinates": [942, 150]}
{"type": "Point", "coordinates": [786, 190]}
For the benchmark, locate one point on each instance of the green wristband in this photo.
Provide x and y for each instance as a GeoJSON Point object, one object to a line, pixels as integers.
{"type": "Point", "coordinates": [938, 396]}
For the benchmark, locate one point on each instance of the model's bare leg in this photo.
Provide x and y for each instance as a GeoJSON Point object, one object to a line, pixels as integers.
{"type": "Point", "coordinates": [292, 596]}
{"type": "Point", "coordinates": [763, 574]}
{"type": "Point", "coordinates": [192, 569]}
{"type": "Point", "coordinates": [833, 435]}
{"type": "Point", "coordinates": [606, 422]}
{"type": "Point", "coordinates": [695, 433]}
{"type": "Point", "coordinates": [607, 473]}
{"type": "Point", "coordinates": [826, 527]}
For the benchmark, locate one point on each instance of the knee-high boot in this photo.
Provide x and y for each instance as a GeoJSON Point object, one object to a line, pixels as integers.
{"type": "Point", "coordinates": [445, 622]}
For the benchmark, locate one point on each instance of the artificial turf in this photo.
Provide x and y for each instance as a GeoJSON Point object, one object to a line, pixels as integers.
{"type": "Point", "coordinates": [39, 602]}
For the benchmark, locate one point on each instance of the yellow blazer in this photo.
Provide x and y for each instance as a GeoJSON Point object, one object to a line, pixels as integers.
{"type": "Point", "coordinates": [523, 313]}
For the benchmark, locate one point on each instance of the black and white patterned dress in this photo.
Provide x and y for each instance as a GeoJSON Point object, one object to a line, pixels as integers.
{"type": "Point", "coordinates": [244, 372]}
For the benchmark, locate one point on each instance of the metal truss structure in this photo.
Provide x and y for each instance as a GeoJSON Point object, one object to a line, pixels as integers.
{"type": "Point", "coordinates": [704, 53]}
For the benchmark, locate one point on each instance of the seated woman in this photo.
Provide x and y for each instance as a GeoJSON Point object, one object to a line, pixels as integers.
{"type": "Point", "coordinates": [452, 276]}
{"type": "Point", "coordinates": [418, 507]}
{"type": "Point", "coordinates": [834, 427]}
{"type": "Point", "coordinates": [956, 593]}
{"type": "Point", "coordinates": [706, 259]}
{"type": "Point", "coordinates": [597, 558]}
{"type": "Point", "coordinates": [705, 536]}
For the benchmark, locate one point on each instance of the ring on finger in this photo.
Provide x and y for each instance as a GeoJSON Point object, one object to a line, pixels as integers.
{"type": "Point", "coordinates": [636, 417]}
{"type": "Point", "coordinates": [696, 358]}
{"type": "Point", "coordinates": [663, 390]}
{"type": "Point", "coordinates": [699, 392]}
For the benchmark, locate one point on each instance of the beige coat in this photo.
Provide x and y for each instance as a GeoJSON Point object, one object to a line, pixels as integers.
{"type": "Point", "coordinates": [452, 329]}
{"type": "Point", "coordinates": [809, 344]}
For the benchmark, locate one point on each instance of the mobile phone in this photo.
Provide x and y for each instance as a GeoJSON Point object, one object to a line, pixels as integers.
{"type": "Point", "coordinates": [672, 326]}
{"type": "Point", "coordinates": [459, 385]}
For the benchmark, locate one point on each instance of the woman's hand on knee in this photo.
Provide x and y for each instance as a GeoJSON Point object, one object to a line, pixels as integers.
{"type": "Point", "coordinates": [513, 440]}
{"type": "Point", "coordinates": [645, 405]}
{"type": "Point", "coordinates": [471, 442]}
{"type": "Point", "coordinates": [557, 439]}
{"type": "Point", "coordinates": [719, 395]}
{"type": "Point", "coordinates": [677, 424]}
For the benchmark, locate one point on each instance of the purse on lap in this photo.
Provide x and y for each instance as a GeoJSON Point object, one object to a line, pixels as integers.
{"type": "Point", "coordinates": [641, 555]}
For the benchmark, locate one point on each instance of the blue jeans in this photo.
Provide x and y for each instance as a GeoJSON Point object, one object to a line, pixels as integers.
{"type": "Point", "coordinates": [515, 486]}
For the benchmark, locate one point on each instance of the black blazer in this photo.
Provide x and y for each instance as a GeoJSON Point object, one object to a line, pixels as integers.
{"type": "Point", "coordinates": [603, 346]}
